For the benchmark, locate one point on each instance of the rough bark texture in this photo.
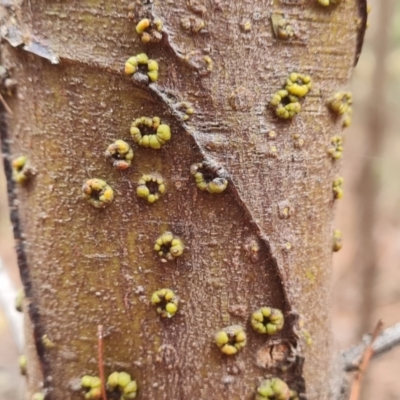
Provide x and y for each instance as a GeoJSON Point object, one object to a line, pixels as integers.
{"type": "Point", "coordinates": [83, 267]}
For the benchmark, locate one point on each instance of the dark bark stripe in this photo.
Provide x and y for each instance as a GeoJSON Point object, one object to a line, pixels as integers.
{"type": "Point", "coordinates": [22, 260]}
{"type": "Point", "coordinates": [362, 7]}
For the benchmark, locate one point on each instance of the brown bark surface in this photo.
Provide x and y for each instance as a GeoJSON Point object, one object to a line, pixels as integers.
{"type": "Point", "coordinates": [86, 267]}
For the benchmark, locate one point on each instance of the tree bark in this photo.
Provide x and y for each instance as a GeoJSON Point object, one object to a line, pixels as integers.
{"type": "Point", "coordinates": [265, 241]}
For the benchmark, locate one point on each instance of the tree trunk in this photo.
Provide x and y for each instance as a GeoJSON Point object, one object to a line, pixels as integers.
{"type": "Point", "coordinates": [265, 241]}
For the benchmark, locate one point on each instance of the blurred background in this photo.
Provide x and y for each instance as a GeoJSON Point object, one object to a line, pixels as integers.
{"type": "Point", "coordinates": [367, 270]}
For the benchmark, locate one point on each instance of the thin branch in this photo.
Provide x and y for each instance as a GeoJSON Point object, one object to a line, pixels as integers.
{"type": "Point", "coordinates": [100, 360]}
{"type": "Point", "coordinates": [368, 353]}
{"type": "Point", "coordinates": [387, 340]}
{"type": "Point", "coordinates": [7, 303]}
{"type": "Point", "coordinates": [6, 106]}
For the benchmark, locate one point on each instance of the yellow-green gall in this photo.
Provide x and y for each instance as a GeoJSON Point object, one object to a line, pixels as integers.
{"type": "Point", "coordinates": [142, 58]}
{"type": "Point", "coordinates": [208, 180]}
{"type": "Point", "coordinates": [347, 119]}
{"type": "Point", "coordinates": [22, 362]}
{"type": "Point", "coordinates": [209, 63]}
{"type": "Point", "coordinates": [92, 386]}
{"type": "Point", "coordinates": [133, 63]}
{"type": "Point", "coordinates": [192, 24]}
{"type": "Point", "coordinates": [274, 389]}
{"type": "Point", "coordinates": [267, 320]}
{"type": "Point", "coordinates": [47, 342]}
{"type": "Point", "coordinates": [337, 240]}
{"type": "Point", "coordinates": [166, 302]}
{"type": "Point", "coordinates": [142, 25]}
{"type": "Point", "coordinates": [335, 149]}
{"type": "Point", "coordinates": [19, 299]}
{"type": "Point", "coordinates": [337, 188]}
{"type": "Point", "coordinates": [298, 84]}
{"type": "Point", "coordinates": [21, 171]}
{"type": "Point", "coordinates": [272, 151]}
{"type": "Point", "coordinates": [282, 29]}
{"type": "Point", "coordinates": [246, 26]}
{"type": "Point", "coordinates": [150, 187]}
{"type": "Point", "coordinates": [38, 396]}
{"type": "Point", "coordinates": [119, 154]}
{"type": "Point", "coordinates": [123, 379]}
{"type": "Point", "coordinates": [112, 380]}
{"type": "Point", "coordinates": [98, 193]}
{"type": "Point", "coordinates": [327, 3]}
{"type": "Point", "coordinates": [122, 382]}
{"type": "Point", "coordinates": [152, 66]}
{"type": "Point", "coordinates": [169, 246]}
{"type": "Point", "coordinates": [158, 24]}
{"type": "Point", "coordinates": [286, 106]}
{"type": "Point", "coordinates": [149, 132]}
{"type": "Point", "coordinates": [231, 339]}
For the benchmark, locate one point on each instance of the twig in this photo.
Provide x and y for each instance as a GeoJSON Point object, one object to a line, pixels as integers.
{"type": "Point", "coordinates": [388, 339]}
{"type": "Point", "coordinates": [7, 303]}
{"type": "Point", "coordinates": [6, 106]}
{"type": "Point", "coordinates": [368, 353]}
{"type": "Point", "coordinates": [101, 365]}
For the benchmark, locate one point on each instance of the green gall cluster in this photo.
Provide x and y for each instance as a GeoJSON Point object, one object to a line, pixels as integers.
{"type": "Point", "coordinates": [150, 187]}
{"type": "Point", "coordinates": [267, 320]}
{"type": "Point", "coordinates": [286, 101]}
{"type": "Point", "coordinates": [98, 193]}
{"type": "Point", "coordinates": [192, 24]}
{"type": "Point", "coordinates": [187, 109]}
{"type": "Point", "coordinates": [206, 179]}
{"type": "Point", "coordinates": [286, 106]}
{"type": "Point", "coordinates": [252, 250]}
{"type": "Point", "coordinates": [133, 63]}
{"type": "Point", "coordinates": [92, 386]}
{"type": "Point", "coordinates": [161, 135]}
{"type": "Point", "coordinates": [21, 172]}
{"type": "Point", "coordinates": [119, 154]}
{"type": "Point", "coordinates": [149, 31]}
{"type": "Point", "coordinates": [122, 382]}
{"type": "Point", "coordinates": [47, 342]}
{"type": "Point", "coordinates": [335, 149]}
{"type": "Point", "coordinates": [169, 246]}
{"type": "Point", "coordinates": [327, 3]}
{"type": "Point", "coordinates": [202, 63]}
{"type": "Point", "coordinates": [22, 362]}
{"type": "Point", "coordinates": [337, 240]}
{"type": "Point", "coordinates": [166, 302]}
{"type": "Point", "coordinates": [19, 299]}
{"type": "Point", "coordinates": [337, 188]}
{"type": "Point", "coordinates": [275, 389]}
{"type": "Point", "coordinates": [341, 103]}
{"type": "Point", "coordinates": [231, 339]}
{"type": "Point", "coordinates": [298, 141]}
{"type": "Point", "coordinates": [298, 84]}
{"type": "Point", "coordinates": [282, 29]}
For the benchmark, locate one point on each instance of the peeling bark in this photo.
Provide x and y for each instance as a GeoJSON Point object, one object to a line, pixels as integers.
{"type": "Point", "coordinates": [265, 241]}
